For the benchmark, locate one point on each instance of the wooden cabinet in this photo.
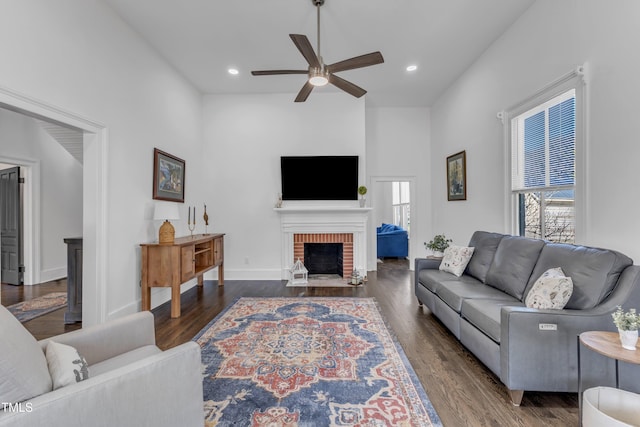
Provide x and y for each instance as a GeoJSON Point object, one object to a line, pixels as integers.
{"type": "Point", "coordinates": [171, 265]}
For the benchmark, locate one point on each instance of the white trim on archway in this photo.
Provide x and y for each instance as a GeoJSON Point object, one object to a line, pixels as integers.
{"type": "Point", "coordinates": [94, 210]}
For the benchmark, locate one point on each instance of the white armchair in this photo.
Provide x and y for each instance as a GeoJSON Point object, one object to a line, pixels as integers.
{"type": "Point", "coordinates": [131, 381]}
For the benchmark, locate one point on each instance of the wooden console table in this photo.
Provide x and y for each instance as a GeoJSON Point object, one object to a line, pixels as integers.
{"type": "Point", "coordinates": [171, 265]}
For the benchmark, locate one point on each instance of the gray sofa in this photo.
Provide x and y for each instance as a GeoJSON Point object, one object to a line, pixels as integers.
{"type": "Point", "coordinates": [131, 381]}
{"type": "Point", "coordinates": [531, 349]}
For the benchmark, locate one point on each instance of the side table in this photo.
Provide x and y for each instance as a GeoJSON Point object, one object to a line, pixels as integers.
{"type": "Point", "coordinates": [608, 345]}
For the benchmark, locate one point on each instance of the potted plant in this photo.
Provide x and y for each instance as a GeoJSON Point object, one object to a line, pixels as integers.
{"type": "Point", "coordinates": [362, 190]}
{"type": "Point", "coordinates": [437, 245]}
{"type": "Point", "coordinates": [627, 324]}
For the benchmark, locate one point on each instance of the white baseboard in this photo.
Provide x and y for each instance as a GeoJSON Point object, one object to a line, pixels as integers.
{"type": "Point", "coordinates": [246, 274]}
{"type": "Point", "coordinates": [53, 274]}
{"type": "Point", "coordinates": [134, 307]}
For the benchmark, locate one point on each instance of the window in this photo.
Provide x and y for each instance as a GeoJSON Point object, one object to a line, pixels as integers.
{"type": "Point", "coordinates": [544, 134]}
{"type": "Point", "coordinates": [401, 204]}
{"type": "Point", "coordinates": [544, 169]}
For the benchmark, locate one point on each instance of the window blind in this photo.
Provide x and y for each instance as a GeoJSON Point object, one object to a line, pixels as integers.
{"type": "Point", "coordinates": [544, 149]}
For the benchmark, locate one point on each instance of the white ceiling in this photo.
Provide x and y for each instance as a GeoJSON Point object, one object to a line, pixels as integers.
{"type": "Point", "coordinates": [202, 39]}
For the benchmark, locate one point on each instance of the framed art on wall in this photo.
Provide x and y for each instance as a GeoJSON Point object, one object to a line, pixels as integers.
{"type": "Point", "coordinates": [457, 176]}
{"type": "Point", "coordinates": [168, 177]}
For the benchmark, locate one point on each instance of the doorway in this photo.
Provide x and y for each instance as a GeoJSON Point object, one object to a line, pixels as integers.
{"type": "Point", "coordinates": [11, 260]}
{"type": "Point", "coordinates": [393, 202]}
{"type": "Point", "coordinates": [95, 178]}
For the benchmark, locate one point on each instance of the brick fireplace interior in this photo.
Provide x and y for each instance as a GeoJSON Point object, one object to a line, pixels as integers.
{"type": "Point", "coordinates": [324, 246]}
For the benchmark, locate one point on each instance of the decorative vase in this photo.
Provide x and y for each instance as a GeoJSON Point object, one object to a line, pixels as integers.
{"type": "Point", "coordinates": [629, 339]}
{"type": "Point", "coordinates": [363, 201]}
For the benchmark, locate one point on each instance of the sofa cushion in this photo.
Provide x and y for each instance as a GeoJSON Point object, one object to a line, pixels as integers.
{"type": "Point", "coordinates": [593, 271]}
{"type": "Point", "coordinates": [455, 259]}
{"type": "Point", "coordinates": [513, 263]}
{"type": "Point", "coordinates": [454, 293]}
{"type": "Point", "coordinates": [23, 367]}
{"type": "Point", "coordinates": [485, 245]}
{"type": "Point", "coordinates": [484, 314]}
{"type": "Point", "coordinates": [551, 291]}
{"type": "Point", "coordinates": [66, 365]}
{"type": "Point", "coordinates": [432, 279]}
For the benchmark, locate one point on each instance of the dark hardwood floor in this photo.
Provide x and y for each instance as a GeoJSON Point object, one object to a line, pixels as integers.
{"type": "Point", "coordinates": [462, 390]}
{"type": "Point", "coordinates": [44, 326]}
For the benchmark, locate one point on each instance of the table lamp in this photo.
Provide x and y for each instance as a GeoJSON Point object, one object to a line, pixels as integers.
{"type": "Point", "coordinates": [166, 211]}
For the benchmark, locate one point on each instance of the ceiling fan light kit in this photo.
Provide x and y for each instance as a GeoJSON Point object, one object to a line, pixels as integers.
{"type": "Point", "coordinates": [318, 78]}
{"type": "Point", "coordinates": [320, 74]}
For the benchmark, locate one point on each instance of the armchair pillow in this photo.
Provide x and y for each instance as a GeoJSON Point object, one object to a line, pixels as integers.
{"type": "Point", "coordinates": [66, 365]}
{"type": "Point", "coordinates": [23, 367]}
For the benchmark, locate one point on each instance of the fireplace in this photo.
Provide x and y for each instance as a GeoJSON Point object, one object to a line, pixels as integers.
{"type": "Point", "coordinates": [344, 240]}
{"type": "Point", "coordinates": [346, 226]}
{"type": "Point", "coordinates": [324, 258]}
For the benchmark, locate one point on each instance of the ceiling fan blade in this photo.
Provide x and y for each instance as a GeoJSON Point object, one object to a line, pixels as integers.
{"type": "Point", "coordinates": [357, 62]}
{"type": "Point", "coordinates": [275, 72]}
{"type": "Point", "coordinates": [346, 86]}
{"type": "Point", "coordinates": [304, 46]}
{"type": "Point", "coordinates": [304, 92]}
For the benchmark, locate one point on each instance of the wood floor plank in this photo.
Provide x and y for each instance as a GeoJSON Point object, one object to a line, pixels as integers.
{"type": "Point", "coordinates": [462, 390]}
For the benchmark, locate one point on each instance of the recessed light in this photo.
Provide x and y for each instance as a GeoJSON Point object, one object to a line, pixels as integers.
{"type": "Point", "coordinates": [233, 71]}
{"type": "Point", "coordinates": [412, 67]}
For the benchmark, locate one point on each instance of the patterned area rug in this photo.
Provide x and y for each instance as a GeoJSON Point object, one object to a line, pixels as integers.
{"type": "Point", "coordinates": [308, 362]}
{"type": "Point", "coordinates": [38, 306]}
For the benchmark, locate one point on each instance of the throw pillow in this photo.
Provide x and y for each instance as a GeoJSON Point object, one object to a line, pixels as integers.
{"type": "Point", "coordinates": [66, 365]}
{"type": "Point", "coordinates": [455, 259]}
{"type": "Point", "coordinates": [23, 367]}
{"type": "Point", "coordinates": [552, 290]}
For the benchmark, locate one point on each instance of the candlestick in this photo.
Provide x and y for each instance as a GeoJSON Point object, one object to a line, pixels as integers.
{"type": "Point", "coordinates": [189, 220]}
{"type": "Point", "coordinates": [194, 215]}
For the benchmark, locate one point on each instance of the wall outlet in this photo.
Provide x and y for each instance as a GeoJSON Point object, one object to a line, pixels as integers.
{"type": "Point", "coordinates": [548, 326]}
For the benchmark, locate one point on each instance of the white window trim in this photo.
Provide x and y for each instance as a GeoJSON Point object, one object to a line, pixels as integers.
{"type": "Point", "coordinates": [576, 79]}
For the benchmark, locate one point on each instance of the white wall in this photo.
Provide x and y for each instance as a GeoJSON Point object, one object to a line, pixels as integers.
{"type": "Point", "coordinates": [22, 137]}
{"type": "Point", "coordinates": [245, 136]}
{"type": "Point", "coordinates": [549, 40]}
{"type": "Point", "coordinates": [382, 196]}
{"type": "Point", "coordinates": [398, 147]}
{"type": "Point", "coordinates": [80, 57]}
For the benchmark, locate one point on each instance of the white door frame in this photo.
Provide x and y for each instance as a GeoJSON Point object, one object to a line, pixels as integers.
{"type": "Point", "coordinates": [373, 265]}
{"type": "Point", "coordinates": [94, 207]}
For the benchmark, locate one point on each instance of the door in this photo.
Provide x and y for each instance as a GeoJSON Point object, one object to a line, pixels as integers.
{"type": "Point", "coordinates": [10, 228]}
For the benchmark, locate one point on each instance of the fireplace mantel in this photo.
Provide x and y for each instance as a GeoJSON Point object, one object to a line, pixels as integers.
{"type": "Point", "coordinates": [311, 209]}
{"type": "Point", "coordinates": [310, 219]}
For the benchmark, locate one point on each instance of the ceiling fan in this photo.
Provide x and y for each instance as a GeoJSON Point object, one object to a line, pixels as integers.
{"type": "Point", "coordinates": [321, 74]}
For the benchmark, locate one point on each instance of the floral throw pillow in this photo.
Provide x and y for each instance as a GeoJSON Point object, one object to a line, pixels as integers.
{"type": "Point", "coordinates": [552, 290]}
{"type": "Point", "coordinates": [455, 259]}
{"type": "Point", "coordinates": [66, 365]}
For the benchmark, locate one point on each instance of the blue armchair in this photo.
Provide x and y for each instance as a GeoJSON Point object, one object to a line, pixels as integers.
{"type": "Point", "coordinates": [393, 241]}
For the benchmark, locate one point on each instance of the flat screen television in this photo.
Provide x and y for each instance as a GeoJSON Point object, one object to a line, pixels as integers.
{"type": "Point", "coordinates": [319, 177]}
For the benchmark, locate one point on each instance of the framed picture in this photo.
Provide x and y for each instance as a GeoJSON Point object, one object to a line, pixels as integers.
{"type": "Point", "coordinates": [457, 176]}
{"type": "Point", "coordinates": [168, 177]}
